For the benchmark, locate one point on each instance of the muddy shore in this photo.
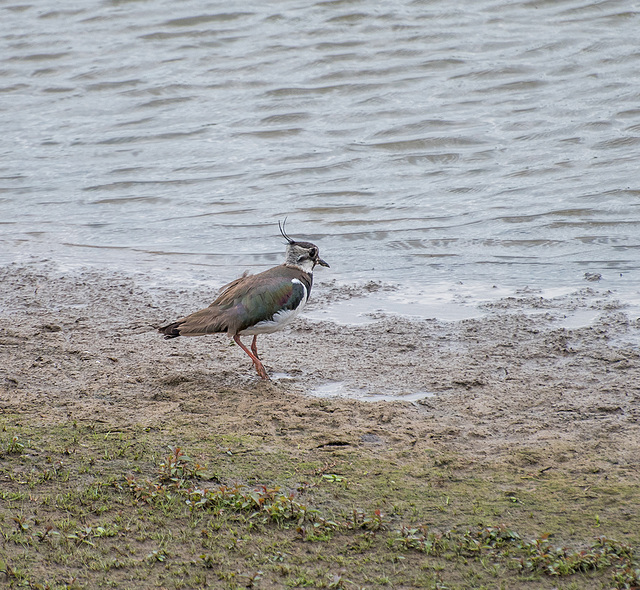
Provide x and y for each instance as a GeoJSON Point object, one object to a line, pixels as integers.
{"type": "Point", "coordinates": [514, 384]}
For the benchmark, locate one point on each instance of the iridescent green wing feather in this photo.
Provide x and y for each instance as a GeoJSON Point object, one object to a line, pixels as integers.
{"type": "Point", "coordinates": [245, 302]}
{"type": "Point", "coordinates": [263, 301]}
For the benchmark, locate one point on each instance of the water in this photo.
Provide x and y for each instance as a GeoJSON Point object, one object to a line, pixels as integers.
{"type": "Point", "coordinates": [424, 143]}
{"type": "Point", "coordinates": [341, 389]}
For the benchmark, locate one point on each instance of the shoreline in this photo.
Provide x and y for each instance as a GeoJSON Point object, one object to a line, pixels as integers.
{"type": "Point", "coordinates": [85, 346]}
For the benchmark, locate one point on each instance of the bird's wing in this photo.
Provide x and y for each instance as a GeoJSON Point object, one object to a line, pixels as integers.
{"type": "Point", "coordinates": [256, 301]}
{"type": "Point", "coordinates": [243, 303]}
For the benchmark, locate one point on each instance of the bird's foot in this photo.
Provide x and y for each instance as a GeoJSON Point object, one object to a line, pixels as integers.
{"type": "Point", "coordinates": [262, 372]}
{"type": "Point", "coordinates": [254, 357]}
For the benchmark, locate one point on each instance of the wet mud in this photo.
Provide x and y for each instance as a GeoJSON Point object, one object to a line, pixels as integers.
{"type": "Point", "coordinates": [522, 381]}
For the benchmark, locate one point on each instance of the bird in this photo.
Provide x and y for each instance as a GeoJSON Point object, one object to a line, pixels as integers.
{"type": "Point", "coordinates": [257, 304]}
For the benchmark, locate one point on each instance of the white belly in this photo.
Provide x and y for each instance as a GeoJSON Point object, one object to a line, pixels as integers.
{"type": "Point", "coordinates": [279, 321]}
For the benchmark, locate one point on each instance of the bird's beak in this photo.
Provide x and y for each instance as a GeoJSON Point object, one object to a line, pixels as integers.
{"type": "Point", "coordinates": [322, 263]}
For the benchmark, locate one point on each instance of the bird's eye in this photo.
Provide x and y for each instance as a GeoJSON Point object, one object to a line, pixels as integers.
{"type": "Point", "coordinates": [312, 253]}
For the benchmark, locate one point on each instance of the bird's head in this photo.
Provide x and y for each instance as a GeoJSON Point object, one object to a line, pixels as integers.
{"type": "Point", "coordinates": [303, 255]}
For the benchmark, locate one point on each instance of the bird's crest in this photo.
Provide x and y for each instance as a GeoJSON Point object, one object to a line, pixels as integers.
{"type": "Point", "coordinates": [284, 235]}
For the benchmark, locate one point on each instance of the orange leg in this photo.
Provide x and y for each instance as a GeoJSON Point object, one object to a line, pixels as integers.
{"type": "Point", "coordinates": [254, 358]}
{"type": "Point", "coordinates": [254, 346]}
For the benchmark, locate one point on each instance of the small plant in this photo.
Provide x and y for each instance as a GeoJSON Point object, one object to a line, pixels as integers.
{"type": "Point", "coordinates": [174, 474]}
{"type": "Point", "coordinates": [421, 539]}
{"type": "Point", "coordinates": [627, 578]}
{"type": "Point", "coordinates": [21, 523]}
{"type": "Point", "coordinates": [208, 561]}
{"type": "Point", "coordinates": [46, 534]}
{"type": "Point", "coordinates": [157, 555]}
{"type": "Point", "coordinates": [177, 468]}
{"type": "Point", "coordinates": [15, 446]}
{"type": "Point", "coordinates": [9, 572]}
{"type": "Point", "coordinates": [536, 555]}
{"type": "Point", "coordinates": [82, 535]}
{"type": "Point", "coordinates": [338, 582]}
{"type": "Point", "coordinates": [361, 520]}
{"type": "Point", "coordinates": [253, 579]}
{"type": "Point", "coordinates": [270, 503]}
{"type": "Point", "coordinates": [332, 477]}
{"type": "Point", "coordinates": [375, 521]}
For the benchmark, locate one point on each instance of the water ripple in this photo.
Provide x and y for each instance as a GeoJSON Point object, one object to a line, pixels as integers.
{"type": "Point", "coordinates": [496, 141]}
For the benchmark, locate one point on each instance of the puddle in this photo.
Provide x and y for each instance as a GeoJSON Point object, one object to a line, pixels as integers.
{"type": "Point", "coordinates": [409, 397]}
{"type": "Point", "coordinates": [281, 376]}
{"type": "Point", "coordinates": [352, 312]}
{"type": "Point", "coordinates": [575, 307]}
{"type": "Point", "coordinates": [332, 389]}
{"type": "Point", "coordinates": [341, 389]}
{"type": "Point", "coordinates": [365, 310]}
{"type": "Point", "coordinates": [578, 319]}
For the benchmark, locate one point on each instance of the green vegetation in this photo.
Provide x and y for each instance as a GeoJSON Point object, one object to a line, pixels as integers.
{"type": "Point", "coordinates": [84, 507]}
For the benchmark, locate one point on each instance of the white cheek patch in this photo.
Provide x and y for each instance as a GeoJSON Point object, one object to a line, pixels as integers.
{"type": "Point", "coordinates": [305, 264]}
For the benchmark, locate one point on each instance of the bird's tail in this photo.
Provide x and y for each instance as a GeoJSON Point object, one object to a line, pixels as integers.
{"type": "Point", "coordinates": [171, 331]}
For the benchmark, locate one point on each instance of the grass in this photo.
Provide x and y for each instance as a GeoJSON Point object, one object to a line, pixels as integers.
{"type": "Point", "coordinates": [86, 507]}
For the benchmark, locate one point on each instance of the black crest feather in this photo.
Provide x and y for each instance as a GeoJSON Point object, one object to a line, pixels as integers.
{"type": "Point", "coordinates": [284, 235]}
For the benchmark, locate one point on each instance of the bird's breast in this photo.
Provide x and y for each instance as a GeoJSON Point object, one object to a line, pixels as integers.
{"type": "Point", "coordinates": [279, 319]}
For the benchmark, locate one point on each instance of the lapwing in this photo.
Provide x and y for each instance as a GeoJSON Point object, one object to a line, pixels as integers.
{"type": "Point", "coordinates": [257, 304]}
